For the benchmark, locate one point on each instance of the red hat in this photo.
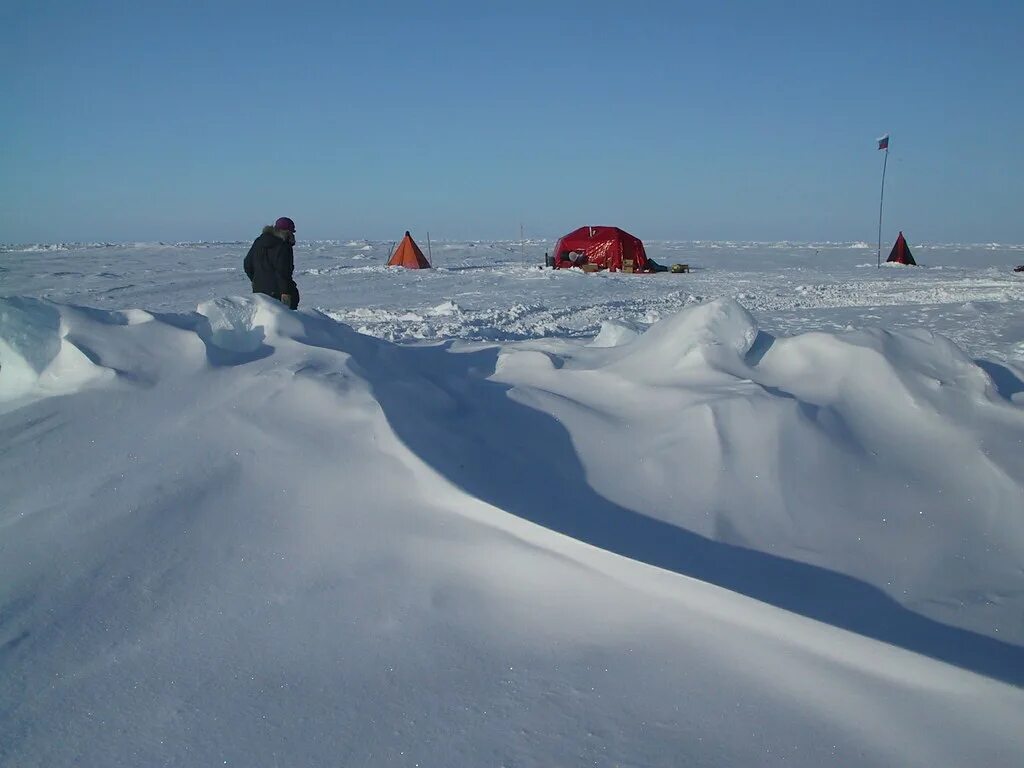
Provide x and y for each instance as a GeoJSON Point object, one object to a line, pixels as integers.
{"type": "Point", "coordinates": [285, 223]}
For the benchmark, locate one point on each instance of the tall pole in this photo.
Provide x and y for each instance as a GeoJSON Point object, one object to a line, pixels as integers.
{"type": "Point", "coordinates": [880, 199]}
{"type": "Point", "coordinates": [430, 253]}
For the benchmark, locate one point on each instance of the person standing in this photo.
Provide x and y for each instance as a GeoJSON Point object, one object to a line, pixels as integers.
{"type": "Point", "coordinates": [271, 262]}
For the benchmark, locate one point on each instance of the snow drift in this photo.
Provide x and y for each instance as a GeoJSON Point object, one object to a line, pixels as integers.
{"type": "Point", "coordinates": [249, 536]}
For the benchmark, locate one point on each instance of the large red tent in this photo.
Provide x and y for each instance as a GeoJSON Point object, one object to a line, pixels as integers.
{"type": "Point", "coordinates": [606, 247]}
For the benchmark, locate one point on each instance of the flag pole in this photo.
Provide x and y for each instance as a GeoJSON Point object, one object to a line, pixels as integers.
{"type": "Point", "coordinates": [881, 197]}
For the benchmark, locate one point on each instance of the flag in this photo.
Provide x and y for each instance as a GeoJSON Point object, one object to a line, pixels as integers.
{"type": "Point", "coordinates": [883, 143]}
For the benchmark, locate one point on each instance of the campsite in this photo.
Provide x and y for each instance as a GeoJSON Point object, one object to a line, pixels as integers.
{"type": "Point", "coordinates": [520, 385]}
{"type": "Point", "coordinates": [966, 291]}
{"type": "Point", "coordinates": [487, 513]}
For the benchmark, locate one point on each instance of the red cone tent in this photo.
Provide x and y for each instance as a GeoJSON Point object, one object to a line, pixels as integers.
{"type": "Point", "coordinates": [408, 255]}
{"type": "Point", "coordinates": [604, 246]}
{"type": "Point", "coordinates": [900, 252]}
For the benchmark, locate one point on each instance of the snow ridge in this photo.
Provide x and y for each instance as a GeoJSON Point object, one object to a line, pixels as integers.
{"type": "Point", "coordinates": [259, 535]}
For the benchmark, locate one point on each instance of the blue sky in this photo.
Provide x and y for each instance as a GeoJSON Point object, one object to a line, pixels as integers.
{"type": "Point", "coordinates": [745, 120]}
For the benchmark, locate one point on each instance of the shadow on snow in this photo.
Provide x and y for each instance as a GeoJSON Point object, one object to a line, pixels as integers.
{"type": "Point", "coordinates": [522, 460]}
{"type": "Point", "coordinates": [1006, 382]}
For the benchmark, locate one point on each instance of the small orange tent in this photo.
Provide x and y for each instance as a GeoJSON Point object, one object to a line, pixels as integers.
{"type": "Point", "coordinates": [408, 255]}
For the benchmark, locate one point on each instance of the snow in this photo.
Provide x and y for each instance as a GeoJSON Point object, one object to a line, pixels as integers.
{"type": "Point", "coordinates": [767, 512]}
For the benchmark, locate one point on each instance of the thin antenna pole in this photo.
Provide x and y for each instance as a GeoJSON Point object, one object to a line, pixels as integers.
{"type": "Point", "coordinates": [430, 253]}
{"type": "Point", "coordinates": [880, 199]}
{"type": "Point", "coordinates": [522, 251]}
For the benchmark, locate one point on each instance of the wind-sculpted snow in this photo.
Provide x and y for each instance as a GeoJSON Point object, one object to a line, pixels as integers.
{"type": "Point", "coordinates": [698, 339]}
{"type": "Point", "coordinates": [886, 456]}
{"type": "Point", "coordinates": [251, 536]}
{"type": "Point", "coordinates": [38, 353]}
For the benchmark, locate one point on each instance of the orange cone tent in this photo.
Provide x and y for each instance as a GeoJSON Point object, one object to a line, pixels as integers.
{"type": "Point", "coordinates": [408, 255]}
{"type": "Point", "coordinates": [900, 252]}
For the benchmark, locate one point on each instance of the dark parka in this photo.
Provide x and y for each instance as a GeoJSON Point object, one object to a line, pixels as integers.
{"type": "Point", "coordinates": [270, 264]}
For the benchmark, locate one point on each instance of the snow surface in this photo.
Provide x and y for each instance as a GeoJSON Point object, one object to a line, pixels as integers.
{"type": "Point", "coordinates": [767, 512]}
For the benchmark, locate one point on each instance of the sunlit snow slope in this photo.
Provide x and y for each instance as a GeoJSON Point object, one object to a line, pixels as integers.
{"type": "Point", "coordinates": [246, 536]}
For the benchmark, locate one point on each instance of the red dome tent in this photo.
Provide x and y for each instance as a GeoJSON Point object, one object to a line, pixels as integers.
{"type": "Point", "coordinates": [605, 247]}
{"type": "Point", "coordinates": [900, 253]}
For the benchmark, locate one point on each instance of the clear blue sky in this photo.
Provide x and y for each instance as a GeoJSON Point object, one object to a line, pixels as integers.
{"type": "Point", "coordinates": [746, 120]}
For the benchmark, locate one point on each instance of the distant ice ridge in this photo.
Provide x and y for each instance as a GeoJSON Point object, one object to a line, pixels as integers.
{"type": "Point", "coordinates": [61, 247]}
{"type": "Point", "coordinates": [510, 246]}
{"type": "Point", "coordinates": [54, 247]}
